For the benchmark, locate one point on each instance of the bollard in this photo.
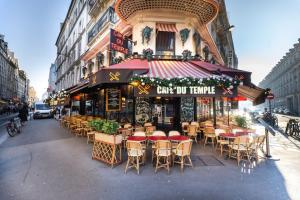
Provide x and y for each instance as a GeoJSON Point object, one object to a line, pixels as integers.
{"type": "Point", "coordinates": [268, 154]}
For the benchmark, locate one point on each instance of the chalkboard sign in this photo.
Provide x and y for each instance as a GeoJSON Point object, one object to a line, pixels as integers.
{"type": "Point", "coordinates": [187, 109]}
{"type": "Point", "coordinates": [113, 100]}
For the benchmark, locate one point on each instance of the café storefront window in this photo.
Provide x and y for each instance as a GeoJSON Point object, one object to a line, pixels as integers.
{"type": "Point", "coordinates": [119, 103]}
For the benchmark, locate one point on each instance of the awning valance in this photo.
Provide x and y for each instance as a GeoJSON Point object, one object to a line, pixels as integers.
{"type": "Point", "coordinates": [173, 69]}
{"type": "Point", "coordinates": [166, 27]}
{"type": "Point", "coordinates": [253, 93]}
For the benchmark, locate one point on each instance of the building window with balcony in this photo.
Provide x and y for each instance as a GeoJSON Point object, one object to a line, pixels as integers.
{"type": "Point", "coordinates": [165, 43]}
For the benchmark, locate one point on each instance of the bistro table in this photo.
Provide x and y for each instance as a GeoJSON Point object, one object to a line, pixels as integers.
{"type": "Point", "coordinates": [178, 138]}
{"type": "Point", "coordinates": [155, 138]}
{"type": "Point", "coordinates": [137, 138]}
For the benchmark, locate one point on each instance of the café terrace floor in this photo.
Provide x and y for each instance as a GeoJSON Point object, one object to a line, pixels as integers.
{"type": "Point", "coordinates": [47, 162]}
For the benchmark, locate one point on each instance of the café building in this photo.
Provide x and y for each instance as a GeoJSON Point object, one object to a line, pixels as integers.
{"type": "Point", "coordinates": [159, 64]}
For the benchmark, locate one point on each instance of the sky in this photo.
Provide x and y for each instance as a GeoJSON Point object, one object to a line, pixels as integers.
{"type": "Point", "coordinates": [31, 28]}
{"type": "Point", "coordinates": [264, 31]}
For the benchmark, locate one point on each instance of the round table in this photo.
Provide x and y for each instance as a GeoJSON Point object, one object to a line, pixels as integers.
{"type": "Point", "coordinates": [231, 135]}
{"type": "Point", "coordinates": [178, 138]}
{"type": "Point", "coordinates": [137, 138]}
{"type": "Point", "coordinates": [155, 138]}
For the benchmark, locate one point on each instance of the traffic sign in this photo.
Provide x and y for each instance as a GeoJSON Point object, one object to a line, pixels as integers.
{"type": "Point", "coordinates": [270, 96]}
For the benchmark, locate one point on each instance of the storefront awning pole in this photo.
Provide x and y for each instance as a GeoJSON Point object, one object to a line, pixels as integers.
{"type": "Point", "coordinates": [228, 119]}
{"type": "Point", "coordinates": [214, 112]}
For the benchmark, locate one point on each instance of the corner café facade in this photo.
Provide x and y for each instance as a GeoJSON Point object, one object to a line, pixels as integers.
{"type": "Point", "coordinates": [162, 88]}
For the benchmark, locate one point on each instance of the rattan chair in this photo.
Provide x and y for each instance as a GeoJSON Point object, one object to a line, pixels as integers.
{"type": "Point", "coordinates": [135, 154]}
{"type": "Point", "coordinates": [147, 124]}
{"type": "Point", "coordinates": [192, 132]}
{"type": "Point", "coordinates": [240, 149]}
{"type": "Point", "coordinates": [127, 125]}
{"type": "Point", "coordinates": [173, 133]}
{"type": "Point", "coordinates": [184, 127]}
{"type": "Point", "coordinates": [209, 133]}
{"type": "Point", "coordinates": [183, 152]}
{"type": "Point", "coordinates": [163, 154]}
{"type": "Point", "coordinates": [139, 129]}
{"type": "Point", "coordinates": [221, 143]}
{"type": "Point", "coordinates": [150, 129]}
{"type": "Point", "coordinates": [91, 137]}
{"type": "Point", "coordinates": [139, 133]}
{"type": "Point", "coordinates": [158, 133]}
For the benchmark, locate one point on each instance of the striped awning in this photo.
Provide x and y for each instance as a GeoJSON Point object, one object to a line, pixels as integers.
{"type": "Point", "coordinates": [173, 69]}
{"type": "Point", "coordinates": [166, 27]}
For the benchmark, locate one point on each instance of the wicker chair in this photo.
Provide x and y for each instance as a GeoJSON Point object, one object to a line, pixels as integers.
{"type": "Point", "coordinates": [184, 127]}
{"type": "Point", "coordinates": [139, 133]}
{"type": "Point", "coordinates": [192, 132]}
{"type": "Point", "coordinates": [150, 129]}
{"type": "Point", "coordinates": [209, 133]}
{"type": "Point", "coordinates": [139, 129]}
{"type": "Point", "coordinates": [183, 151]}
{"type": "Point", "coordinates": [147, 124]}
{"type": "Point", "coordinates": [174, 133]}
{"type": "Point", "coordinates": [136, 155]}
{"type": "Point", "coordinates": [127, 125]}
{"type": "Point", "coordinates": [158, 133]}
{"type": "Point", "coordinates": [240, 149]}
{"type": "Point", "coordinates": [91, 136]}
{"type": "Point", "coordinates": [221, 143]}
{"type": "Point", "coordinates": [163, 154]}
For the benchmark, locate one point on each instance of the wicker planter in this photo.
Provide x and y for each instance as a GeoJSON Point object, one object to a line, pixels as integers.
{"type": "Point", "coordinates": [108, 148]}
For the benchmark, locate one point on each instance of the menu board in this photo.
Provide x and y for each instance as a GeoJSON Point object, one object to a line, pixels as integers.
{"type": "Point", "coordinates": [113, 100]}
{"type": "Point", "coordinates": [187, 109]}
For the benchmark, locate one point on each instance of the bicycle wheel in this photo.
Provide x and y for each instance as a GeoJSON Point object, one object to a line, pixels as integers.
{"type": "Point", "coordinates": [11, 132]}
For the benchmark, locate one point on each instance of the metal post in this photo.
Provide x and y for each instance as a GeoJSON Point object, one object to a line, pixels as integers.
{"type": "Point", "coordinates": [214, 112]}
{"type": "Point", "coordinates": [270, 106]}
{"type": "Point", "coordinates": [228, 118]}
{"type": "Point", "coordinates": [268, 155]}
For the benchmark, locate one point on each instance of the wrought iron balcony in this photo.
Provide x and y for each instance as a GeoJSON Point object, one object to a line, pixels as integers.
{"type": "Point", "coordinates": [108, 16]}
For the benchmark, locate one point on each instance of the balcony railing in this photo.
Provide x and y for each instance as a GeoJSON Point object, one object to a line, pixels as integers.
{"type": "Point", "coordinates": [108, 16]}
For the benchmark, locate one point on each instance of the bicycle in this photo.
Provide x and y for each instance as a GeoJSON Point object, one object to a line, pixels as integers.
{"type": "Point", "coordinates": [14, 126]}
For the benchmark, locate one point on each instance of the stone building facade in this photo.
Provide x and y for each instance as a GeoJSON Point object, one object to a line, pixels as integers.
{"type": "Point", "coordinates": [52, 79]}
{"type": "Point", "coordinates": [83, 41]}
{"type": "Point", "coordinates": [8, 72]}
{"type": "Point", "coordinates": [71, 44]}
{"type": "Point", "coordinates": [284, 81]}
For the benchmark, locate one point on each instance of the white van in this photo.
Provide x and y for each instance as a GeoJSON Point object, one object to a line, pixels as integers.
{"type": "Point", "coordinates": [41, 110]}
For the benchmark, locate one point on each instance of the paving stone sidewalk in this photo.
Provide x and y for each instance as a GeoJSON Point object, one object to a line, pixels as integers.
{"type": "Point", "coordinates": [47, 162]}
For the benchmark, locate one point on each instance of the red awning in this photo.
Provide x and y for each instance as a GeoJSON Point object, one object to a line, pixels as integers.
{"type": "Point", "coordinates": [235, 73]}
{"type": "Point", "coordinates": [166, 27]}
{"type": "Point", "coordinates": [173, 69]}
{"type": "Point", "coordinates": [253, 93]}
{"type": "Point", "coordinates": [133, 64]}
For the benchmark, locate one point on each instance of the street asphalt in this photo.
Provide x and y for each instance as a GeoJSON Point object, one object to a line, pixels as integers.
{"type": "Point", "coordinates": [47, 162]}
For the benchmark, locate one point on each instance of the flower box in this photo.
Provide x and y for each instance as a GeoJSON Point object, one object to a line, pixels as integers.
{"type": "Point", "coordinates": [108, 148]}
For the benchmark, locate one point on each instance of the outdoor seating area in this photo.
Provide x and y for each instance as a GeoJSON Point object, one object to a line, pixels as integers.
{"type": "Point", "coordinates": [134, 143]}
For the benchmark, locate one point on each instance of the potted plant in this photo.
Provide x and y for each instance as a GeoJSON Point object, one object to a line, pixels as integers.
{"type": "Point", "coordinates": [186, 55]}
{"type": "Point", "coordinates": [147, 53]}
{"type": "Point", "coordinates": [108, 143]}
{"type": "Point", "coordinates": [241, 121]}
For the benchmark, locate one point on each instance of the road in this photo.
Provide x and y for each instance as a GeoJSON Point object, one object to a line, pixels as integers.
{"type": "Point", "coordinates": [47, 162]}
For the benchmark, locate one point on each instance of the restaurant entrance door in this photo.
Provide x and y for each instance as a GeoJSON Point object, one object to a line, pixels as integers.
{"type": "Point", "coordinates": [166, 113]}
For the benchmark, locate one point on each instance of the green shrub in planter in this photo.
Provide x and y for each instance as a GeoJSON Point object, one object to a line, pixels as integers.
{"type": "Point", "coordinates": [241, 121]}
{"type": "Point", "coordinates": [110, 127]}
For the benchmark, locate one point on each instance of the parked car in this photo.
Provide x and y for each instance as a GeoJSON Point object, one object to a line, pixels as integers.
{"type": "Point", "coordinates": [280, 110]}
{"type": "Point", "coordinates": [42, 110]}
{"type": "Point", "coordinates": [286, 111]}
